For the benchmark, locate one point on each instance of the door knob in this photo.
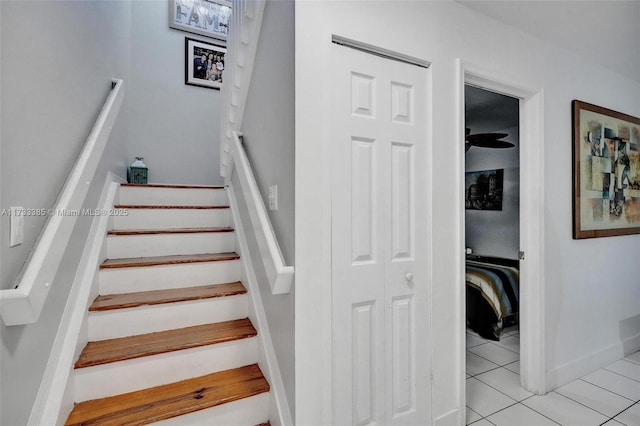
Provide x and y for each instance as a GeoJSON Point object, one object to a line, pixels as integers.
{"type": "Point", "coordinates": [409, 276]}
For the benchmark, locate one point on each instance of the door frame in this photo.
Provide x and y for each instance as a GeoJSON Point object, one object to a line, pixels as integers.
{"type": "Point", "coordinates": [532, 268]}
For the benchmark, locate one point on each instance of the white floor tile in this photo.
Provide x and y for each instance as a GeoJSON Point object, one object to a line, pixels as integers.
{"type": "Point", "coordinates": [472, 416]}
{"type": "Point", "coordinates": [485, 400]}
{"type": "Point", "coordinates": [625, 368]}
{"type": "Point", "coordinates": [477, 365]}
{"type": "Point", "coordinates": [599, 399]}
{"type": "Point", "coordinates": [630, 417]}
{"type": "Point", "coordinates": [509, 331]}
{"type": "Point", "coordinates": [564, 411]}
{"type": "Point", "coordinates": [613, 423]}
{"type": "Point", "coordinates": [473, 340]}
{"type": "Point", "coordinates": [635, 357]}
{"type": "Point", "coordinates": [505, 381]}
{"type": "Point", "coordinates": [615, 383]}
{"type": "Point", "coordinates": [514, 366]}
{"type": "Point", "coordinates": [511, 342]}
{"type": "Point", "coordinates": [483, 422]}
{"type": "Point", "coordinates": [519, 415]}
{"type": "Point", "coordinates": [495, 353]}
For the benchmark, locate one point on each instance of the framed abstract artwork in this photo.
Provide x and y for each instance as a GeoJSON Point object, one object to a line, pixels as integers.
{"type": "Point", "coordinates": [606, 172]}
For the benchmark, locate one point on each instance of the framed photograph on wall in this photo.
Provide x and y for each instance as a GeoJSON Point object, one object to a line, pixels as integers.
{"type": "Point", "coordinates": [204, 63]}
{"type": "Point", "coordinates": [606, 172]}
{"type": "Point", "coordinates": [209, 18]}
{"type": "Point", "coordinates": [484, 189]}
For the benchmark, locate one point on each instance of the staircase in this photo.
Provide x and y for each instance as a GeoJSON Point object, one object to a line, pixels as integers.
{"type": "Point", "coordinates": [170, 340]}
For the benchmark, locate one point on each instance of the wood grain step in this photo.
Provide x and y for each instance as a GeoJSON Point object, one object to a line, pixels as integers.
{"type": "Point", "coordinates": [112, 350]}
{"type": "Point", "coordinates": [170, 231]}
{"type": "Point", "coordinates": [133, 262]}
{"type": "Point", "coordinates": [175, 399]}
{"type": "Point", "coordinates": [163, 185]}
{"type": "Point", "coordinates": [156, 297]}
{"type": "Point", "coordinates": [151, 206]}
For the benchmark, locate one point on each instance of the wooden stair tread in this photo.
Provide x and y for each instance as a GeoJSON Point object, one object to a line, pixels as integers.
{"type": "Point", "coordinates": [171, 400]}
{"type": "Point", "coordinates": [166, 185]}
{"type": "Point", "coordinates": [122, 348]}
{"type": "Point", "coordinates": [132, 262]}
{"type": "Point", "coordinates": [168, 206]}
{"type": "Point", "coordinates": [155, 297]}
{"type": "Point", "coordinates": [170, 231]}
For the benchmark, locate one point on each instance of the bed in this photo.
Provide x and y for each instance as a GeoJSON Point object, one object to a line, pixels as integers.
{"type": "Point", "coordinates": [492, 295]}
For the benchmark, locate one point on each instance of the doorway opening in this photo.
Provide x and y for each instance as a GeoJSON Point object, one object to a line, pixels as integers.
{"type": "Point", "coordinates": [529, 256]}
{"type": "Point", "coordinates": [492, 241]}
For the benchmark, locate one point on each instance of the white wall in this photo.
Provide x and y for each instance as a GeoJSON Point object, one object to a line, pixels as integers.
{"type": "Point", "coordinates": [58, 59]}
{"type": "Point", "coordinates": [268, 129]}
{"type": "Point", "coordinates": [2, 227]}
{"type": "Point", "coordinates": [268, 124]}
{"type": "Point", "coordinates": [591, 307]}
{"type": "Point", "coordinates": [490, 232]}
{"type": "Point", "coordinates": [175, 127]}
{"type": "Point", "coordinates": [56, 74]}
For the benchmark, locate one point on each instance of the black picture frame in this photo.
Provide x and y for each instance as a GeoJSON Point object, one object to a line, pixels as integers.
{"type": "Point", "coordinates": [484, 189]}
{"type": "Point", "coordinates": [204, 63]}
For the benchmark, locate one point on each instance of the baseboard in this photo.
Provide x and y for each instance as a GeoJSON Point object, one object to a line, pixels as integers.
{"type": "Point", "coordinates": [279, 412]}
{"type": "Point", "coordinates": [631, 345]}
{"type": "Point", "coordinates": [452, 418]}
{"type": "Point", "coordinates": [55, 397]}
{"type": "Point", "coordinates": [584, 365]}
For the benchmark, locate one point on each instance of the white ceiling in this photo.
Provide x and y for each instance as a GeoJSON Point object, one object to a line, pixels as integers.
{"type": "Point", "coordinates": [605, 31]}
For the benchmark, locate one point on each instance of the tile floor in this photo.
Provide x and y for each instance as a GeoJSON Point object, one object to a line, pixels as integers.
{"type": "Point", "coordinates": [610, 396]}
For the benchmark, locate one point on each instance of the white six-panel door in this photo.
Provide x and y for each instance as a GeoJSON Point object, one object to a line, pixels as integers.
{"type": "Point", "coordinates": [380, 268]}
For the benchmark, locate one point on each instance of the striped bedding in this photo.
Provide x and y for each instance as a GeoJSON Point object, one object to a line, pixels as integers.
{"type": "Point", "coordinates": [492, 295]}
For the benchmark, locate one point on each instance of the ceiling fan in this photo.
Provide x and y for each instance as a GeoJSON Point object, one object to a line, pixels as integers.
{"type": "Point", "coordinates": [485, 140]}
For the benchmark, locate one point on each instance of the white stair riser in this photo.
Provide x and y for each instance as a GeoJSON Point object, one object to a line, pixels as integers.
{"type": "Point", "coordinates": [162, 277]}
{"type": "Point", "coordinates": [248, 411]}
{"type": "Point", "coordinates": [155, 370]}
{"type": "Point", "coordinates": [150, 196]}
{"type": "Point", "coordinates": [168, 316]}
{"type": "Point", "coordinates": [172, 218]}
{"type": "Point", "coordinates": [123, 246]}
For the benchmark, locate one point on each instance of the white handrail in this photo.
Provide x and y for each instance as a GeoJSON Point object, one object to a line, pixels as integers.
{"type": "Point", "coordinates": [280, 276]}
{"type": "Point", "coordinates": [23, 304]}
{"type": "Point", "coordinates": [244, 32]}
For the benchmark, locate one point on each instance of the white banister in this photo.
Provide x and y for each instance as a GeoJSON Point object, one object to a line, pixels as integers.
{"type": "Point", "coordinates": [280, 276]}
{"type": "Point", "coordinates": [23, 304]}
{"type": "Point", "coordinates": [244, 32]}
